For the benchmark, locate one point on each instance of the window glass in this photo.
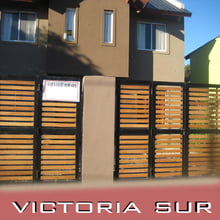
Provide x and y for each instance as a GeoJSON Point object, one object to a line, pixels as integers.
{"type": "Point", "coordinates": [18, 26]}
{"type": "Point", "coordinates": [151, 36]}
{"type": "Point", "coordinates": [27, 27]}
{"type": "Point", "coordinates": [70, 24]}
{"type": "Point", "coordinates": [108, 27]}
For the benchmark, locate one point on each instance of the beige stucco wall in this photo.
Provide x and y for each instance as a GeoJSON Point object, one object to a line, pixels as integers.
{"type": "Point", "coordinates": [169, 66]}
{"type": "Point", "coordinates": [88, 55]}
{"type": "Point", "coordinates": [98, 129]}
{"type": "Point", "coordinates": [154, 65]}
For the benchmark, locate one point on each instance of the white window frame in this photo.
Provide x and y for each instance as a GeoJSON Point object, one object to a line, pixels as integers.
{"type": "Point", "coordinates": [19, 13]}
{"type": "Point", "coordinates": [151, 43]}
{"type": "Point", "coordinates": [108, 31]}
{"type": "Point", "coordinates": [70, 34]}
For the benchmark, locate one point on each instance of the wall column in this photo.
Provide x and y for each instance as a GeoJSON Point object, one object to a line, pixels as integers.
{"type": "Point", "coordinates": [98, 129]}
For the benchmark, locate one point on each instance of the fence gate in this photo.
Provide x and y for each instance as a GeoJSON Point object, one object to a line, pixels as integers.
{"type": "Point", "coordinates": [166, 129]}
{"type": "Point", "coordinates": [40, 140]}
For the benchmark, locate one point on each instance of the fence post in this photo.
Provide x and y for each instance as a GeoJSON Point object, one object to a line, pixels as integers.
{"type": "Point", "coordinates": [37, 129]}
{"type": "Point", "coordinates": [185, 128]}
{"type": "Point", "coordinates": [152, 130]}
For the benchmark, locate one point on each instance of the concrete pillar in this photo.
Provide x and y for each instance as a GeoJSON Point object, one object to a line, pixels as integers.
{"type": "Point", "coordinates": [98, 129]}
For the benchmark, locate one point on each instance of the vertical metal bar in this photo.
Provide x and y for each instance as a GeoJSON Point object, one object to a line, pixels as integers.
{"type": "Point", "coordinates": [79, 134]}
{"type": "Point", "coordinates": [185, 129]}
{"type": "Point", "coordinates": [117, 128]}
{"type": "Point", "coordinates": [37, 129]}
{"type": "Point", "coordinates": [151, 159]}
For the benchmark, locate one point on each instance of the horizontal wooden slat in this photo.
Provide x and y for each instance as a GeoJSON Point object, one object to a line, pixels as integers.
{"type": "Point", "coordinates": [58, 119]}
{"type": "Point", "coordinates": [57, 172]}
{"type": "Point", "coordinates": [55, 167]}
{"type": "Point", "coordinates": [168, 169]}
{"type": "Point", "coordinates": [139, 87]}
{"type": "Point", "coordinates": [62, 177]}
{"type": "Point", "coordinates": [171, 174]}
{"type": "Point", "coordinates": [63, 125]}
{"type": "Point", "coordinates": [53, 109]}
{"type": "Point", "coordinates": [135, 92]}
{"type": "Point", "coordinates": [16, 173]}
{"type": "Point", "coordinates": [58, 157]}
{"type": "Point", "coordinates": [25, 103]}
{"type": "Point", "coordinates": [9, 119]}
{"type": "Point", "coordinates": [56, 115]}
{"type": "Point", "coordinates": [124, 166]}
{"type": "Point", "coordinates": [59, 152]}
{"type": "Point", "coordinates": [169, 88]}
{"type": "Point", "coordinates": [15, 92]}
{"type": "Point", "coordinates": [17, 167]}
{"type": "Point", "coordinates": [16, 178]}
{"type": "Point", "coordinates": [62, 142]}
{"type": "Point", "coordinates": [9, 87]}
{"type": "Point", "coordinates": [16, 113]}
{"type": "Point", "coordinates": [57, 162]}
{"type": "Point", "coordinates": [133, 170]}
{"type": "Point", "coordinates": [133, 160]}
{"type": "Point", "coordinates": [133, 175]}
{"type": "Point", "coordinates": [134, 96]}
{"type": "Point", "coordinates": [58, 137]}
{"type": "Point", "coordinates": [133, 151]}
{"type": "Point", "coordinates": [20, 98]}
{"type": "Point", "coordinates": [18, 82]}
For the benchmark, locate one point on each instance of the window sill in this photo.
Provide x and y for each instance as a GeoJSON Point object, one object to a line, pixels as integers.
{"type": "Point", "coordinates": [109, 44]}
{"type": "Point", "coordinates": [163, 52]}
{"type": "Point", "coordinates": [18, 43]}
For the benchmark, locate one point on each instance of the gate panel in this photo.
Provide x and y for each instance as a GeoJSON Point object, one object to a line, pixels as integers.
{"type": "Point", "coordinates": [204, 124]}
{"type": "Point", "coordinates": [169, 123]}
{"type": "Point", "coordinates": [169, 107]}
{"type": "Point", "coordinates": [16, 157]}
{"type": "Point", "coordinates": [181, 130]}
{"type": "Point", "coordinates": [39, 140]}
{"type": "Point", "coordinates": [168, 155]}
{"type": "Point", "coordinates": [17, 103]}
{"type": "Point", "coordinates": [60, 138]}
{"type": "Point", "coordinates": [17, 107]}
{"type": "Point", "coordinates": [58, 157]}
{"type": "Point", "coordinates": [133, 124]}
{"type": "Point", "coordinates": [133, 156]}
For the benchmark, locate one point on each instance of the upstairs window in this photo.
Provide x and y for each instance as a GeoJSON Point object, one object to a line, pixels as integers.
{"type": "Point", "coordinates": [151, 37]}
{"type": "Point", "coordinates": [70, 33]}
{"type": "Point", "coordinates": [108, 27]}
{"type": "Point", "coordinates": [18, 26]}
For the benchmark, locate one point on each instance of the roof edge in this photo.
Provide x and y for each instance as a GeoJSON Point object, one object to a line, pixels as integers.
{"type": "Point", "coordinates": [177, 3]}
{"type": "Point", "coordinates": [169, 13]}
{"type": "Point", "coordinates": [188, 55]}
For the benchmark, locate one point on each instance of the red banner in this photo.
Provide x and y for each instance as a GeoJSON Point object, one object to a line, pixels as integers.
{"type": "Point", "coordinates": [140, 203]}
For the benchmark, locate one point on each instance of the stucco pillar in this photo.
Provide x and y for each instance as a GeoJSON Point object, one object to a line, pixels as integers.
{"type": "Point", "coordinates": [98, 129]}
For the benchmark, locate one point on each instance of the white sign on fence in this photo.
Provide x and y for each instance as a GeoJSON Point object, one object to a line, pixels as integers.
{"type": "Point", "coordinates": [56, 90]}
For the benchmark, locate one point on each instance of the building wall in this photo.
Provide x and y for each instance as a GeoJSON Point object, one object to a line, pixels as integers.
{"type": "Point", "coordinates": [27, 59]}
{"type": "Point", "coordinates": [201, 61]}
{"type": "Point", "coordinates": [88, 55]}
{"type": "Point", "coordinates": [214, 67]}
{"type": "Point", "coordinates": [154, 65]}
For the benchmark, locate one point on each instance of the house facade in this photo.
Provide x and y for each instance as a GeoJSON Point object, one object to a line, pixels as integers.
{"type": "Point", "coordinates": [140, 39]}
{"type": "Point", "coordinates": [204, 63]}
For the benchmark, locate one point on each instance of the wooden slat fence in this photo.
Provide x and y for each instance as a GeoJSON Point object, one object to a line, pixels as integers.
{"type": "Point", "coordinates": [39, 140]}
{"type": "Point", "coordinates": [166, 129]}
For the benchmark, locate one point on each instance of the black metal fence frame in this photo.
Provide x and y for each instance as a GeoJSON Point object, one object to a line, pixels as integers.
{"type": "Point", "coordinates": [152, 130]}
{"type": "Point", "coordinates": [37, 130]}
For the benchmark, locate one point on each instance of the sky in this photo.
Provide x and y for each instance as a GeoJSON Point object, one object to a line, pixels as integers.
{"type": "Point", "coordinates": [203, 25]}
